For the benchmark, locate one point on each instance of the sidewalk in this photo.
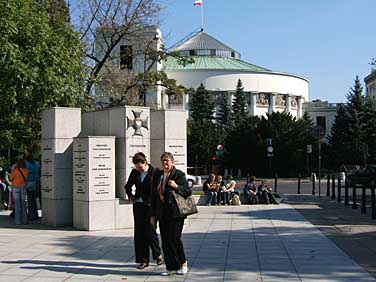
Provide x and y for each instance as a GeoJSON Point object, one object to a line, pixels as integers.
{"type": "Point", "coordinates": [220, 245]}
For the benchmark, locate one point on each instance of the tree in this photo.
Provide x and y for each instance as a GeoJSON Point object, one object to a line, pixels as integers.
{"type": "Point", "coordinates": [339, 140]}
{"type": "Point", "coordinates": [224, 120]}
{"type": "Point", "coordinates": [369, 122]}
{"type": "Point", "coordinates": [202, 141]}
{"type": "Point", "coordinates": [355, 110]}
{"type": "Point", "coordinates": [201, 105]}
{"type": "Point", "coordinates": [239, 105]}
{"type": "Point", "coordinates": [40, 67]}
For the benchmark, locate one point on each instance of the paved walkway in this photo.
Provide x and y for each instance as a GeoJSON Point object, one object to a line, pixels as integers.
{"type": "Point", "coordinates": [220, 244]}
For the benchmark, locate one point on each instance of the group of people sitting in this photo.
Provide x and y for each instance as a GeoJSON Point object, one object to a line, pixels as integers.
{"type": "Point", "coordinates": [260, 194]}
{"type": "Point", "coordinates": [222, 192]}
{"type": "Point", "coordinates": [219, 191]}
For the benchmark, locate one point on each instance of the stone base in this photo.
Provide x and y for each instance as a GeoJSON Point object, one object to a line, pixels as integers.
{"type": "Point", "coordinates": [94, 215]}
{"type": "Point", "coordinates": [124, 215]}
{"type": "Point", "coordinates": [57, 212]}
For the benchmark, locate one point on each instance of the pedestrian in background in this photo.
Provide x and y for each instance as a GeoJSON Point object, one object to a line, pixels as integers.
{"type": "Point", "coordinates": [18, 177]}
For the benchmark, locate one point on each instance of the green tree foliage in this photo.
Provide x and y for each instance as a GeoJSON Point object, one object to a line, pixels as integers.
{"type": "Point", "coordinates": [40, 67]}
{"type": "Point", "coordinates": [355, 110]}
{"type": "Point", "coordinates": [348, 131]}
{"type": "Point", "coordinates": [202, 133]}
{"type": "Point", "coordinates": [242, 146]}
{"type": "Point", "coordinates": [246, 145]}
{"type": "Point", "coordinates": [339, 140]}
{"type": "Point", "coordinates": [369, 126]}
{"type": "Point", "coordinates": [224, 120]}
{"type": "Point", "coordinates": [202, 141]}
{"type": "Point", "coordinates": [202, 105]}
{"type": "Point", "coordinates": [239, 106]}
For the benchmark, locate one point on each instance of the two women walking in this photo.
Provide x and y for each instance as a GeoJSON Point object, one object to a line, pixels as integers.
{"type": "Point", "coordinates": [153, 202]}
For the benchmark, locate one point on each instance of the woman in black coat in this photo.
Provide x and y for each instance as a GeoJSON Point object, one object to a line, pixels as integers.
{"type": "Point", "coordinates": [167, 181]}
{"type": "Point", "coordinates": [145, 235]}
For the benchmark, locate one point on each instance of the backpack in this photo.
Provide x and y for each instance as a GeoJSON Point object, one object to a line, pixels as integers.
{"type": "Point", "coordinates": [235, 200]}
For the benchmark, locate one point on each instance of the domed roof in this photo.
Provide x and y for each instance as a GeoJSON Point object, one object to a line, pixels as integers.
{"type": "Point", "coordinates": [211, 63]}
{"type": "Point", "coordinates": [205, 44]}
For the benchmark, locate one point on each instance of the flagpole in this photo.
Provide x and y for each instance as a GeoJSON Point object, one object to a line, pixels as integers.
{"type": "Point", "coordinates": [202, 17]}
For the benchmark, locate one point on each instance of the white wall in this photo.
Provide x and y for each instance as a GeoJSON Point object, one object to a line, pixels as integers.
{"type": "Point", "coordinates": [257, 82]}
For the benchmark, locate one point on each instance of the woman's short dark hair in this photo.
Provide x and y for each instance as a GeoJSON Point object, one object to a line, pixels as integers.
{"type": "Point", "coordinates": [139, 158]}
{"type": "Point", "coordinates": [253, 178]}
{"type": "Point", "coordinates": [167, 155]}
{"type": "Point", "coordinates": [20, 163]}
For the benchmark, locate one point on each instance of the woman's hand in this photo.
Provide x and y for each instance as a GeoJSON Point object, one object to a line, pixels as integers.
{"type": "Point", "coordinates": [153, 220]}
{"type": "Point", "coordinates": [172, 184]}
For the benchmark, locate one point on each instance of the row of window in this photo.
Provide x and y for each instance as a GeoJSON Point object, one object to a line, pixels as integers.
{"type": "Point", "coordinates": [209, 52]}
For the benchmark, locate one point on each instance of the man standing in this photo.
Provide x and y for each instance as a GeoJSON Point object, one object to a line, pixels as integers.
{"type": "Point", "coordinates": [145, 235]}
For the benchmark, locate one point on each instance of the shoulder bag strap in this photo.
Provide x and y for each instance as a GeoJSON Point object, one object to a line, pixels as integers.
{"type": "Point", "coordinates": [23, 176]}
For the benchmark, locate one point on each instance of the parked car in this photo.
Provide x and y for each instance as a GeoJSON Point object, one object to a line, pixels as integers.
{"type": "Point", "coordinates": [366, 175]}
{"type": "Point", "coordinates": [193, 180]}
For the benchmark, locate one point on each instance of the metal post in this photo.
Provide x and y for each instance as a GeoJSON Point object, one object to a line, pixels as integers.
{"type": "Point", "coordinates": [373, 201]}
{"type": "Point", "coordinates": [354, 196]}
{"type": "Point", "coordinates": [333, 187]}
{"type": "Point", "coordinates": [319, 168]}
{"type": "Point", "coordinates": [313, 185]}
{"type": "Point", "coordinates": [364, 199]}
{"type": "Point", "coordinates": [299, 183]}
{"type": "Point", "coordinates": [346, 193]}
{"type": "Point", "coordinates": [275, 182]}
{"type": "Point", "coordinates": [328, 186]}
{"type": "Point", "coordinates": [339, 189]}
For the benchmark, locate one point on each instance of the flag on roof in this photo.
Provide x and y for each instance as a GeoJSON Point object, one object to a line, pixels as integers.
{"type": "Point", "coordinates": [197, 3]}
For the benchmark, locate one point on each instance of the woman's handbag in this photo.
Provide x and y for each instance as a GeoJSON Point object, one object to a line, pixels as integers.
{"type": "Point", "coordinates": [185, 206]}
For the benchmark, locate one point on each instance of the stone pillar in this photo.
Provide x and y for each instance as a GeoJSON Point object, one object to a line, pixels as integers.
{"type": "Point", "coordinates": [253, 106]}
{"type": "Point", "coordinates": [300, 108]}
{"type": "Point", "coordinates": [94, 183]}
{"type": "Point", "coordinates": [168, 133]}
{"type": "Point", "coordinates": [271, 108]}
{"type": "Point", "coordinates": [288, 103]}
{"type": "Point", "coordinates": [130, 125]}
{"type": "Point", "coordinates": [59, 127]}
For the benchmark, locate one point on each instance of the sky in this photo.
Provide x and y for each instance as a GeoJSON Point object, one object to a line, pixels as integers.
{"type": "Point", "coordinates": [327, 41]}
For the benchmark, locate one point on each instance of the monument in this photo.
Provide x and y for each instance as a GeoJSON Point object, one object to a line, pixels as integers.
{"type": "Point", "coordinates": [83, 180]}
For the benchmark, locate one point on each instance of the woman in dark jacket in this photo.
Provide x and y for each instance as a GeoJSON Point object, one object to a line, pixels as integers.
{"type": "Point", "coordinates": [167, 181]}
{"type": "Point", "coordinates": [145, 234]}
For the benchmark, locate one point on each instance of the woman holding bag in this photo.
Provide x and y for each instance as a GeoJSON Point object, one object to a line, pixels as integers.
{"type": "Point", "coordinates": [18, 177]}
{"type": "Point", "coordinates": [164, 209]}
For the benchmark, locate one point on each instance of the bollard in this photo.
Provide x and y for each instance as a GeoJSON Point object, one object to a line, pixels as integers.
{"type": "Point", "coordinates": [333, 187]}
{"type": "Point", "coordinates": [313, 185]}
{"type": "Point", "coordinates": [373, 201]}
{"type": "Point", "coordinates": [328, 186]}
{"type": "Point", "coordinates": [354, 197]}
{"type": "Point", "coordinates": [364, 199]}
{"type": "Point", "coordinates": [275, 182]}
{"type": "Point", "coordinates": [346, 193]}
{"type": "Point", "coordinates": [299, 183]}
{"type": "Point", "coordinates": [339, 190]}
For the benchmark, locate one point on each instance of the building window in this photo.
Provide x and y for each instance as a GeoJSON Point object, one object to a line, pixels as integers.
{"type": "Point", "coordinates": [191, 52]}
{"type": "Point", "coordinates": [321, 122]}
{"type": "Point", "coordinates": [212, 52]}
{"type": "Point", "coordinates": [233, 54]}
{"type": "Point", "coordinates": [126, 57]}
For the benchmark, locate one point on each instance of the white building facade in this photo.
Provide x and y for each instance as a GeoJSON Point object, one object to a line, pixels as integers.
{"type": "Point", "coordinates": [370, 82]}
{"type": "Point", "coordinates": [219, 67]}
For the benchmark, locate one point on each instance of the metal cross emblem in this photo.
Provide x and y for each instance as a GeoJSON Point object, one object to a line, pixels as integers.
{"type": "Point", "coordinates": [137, 123]}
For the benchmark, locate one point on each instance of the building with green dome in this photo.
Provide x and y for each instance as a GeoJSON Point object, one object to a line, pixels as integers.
{"type": "Point", "coordinates": [218, 67]}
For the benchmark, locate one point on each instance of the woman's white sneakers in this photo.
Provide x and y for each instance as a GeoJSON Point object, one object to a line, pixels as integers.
{"type": "Point", "coordinates": [168, 272]}
{"type": "Point", "coordinates": [183, 270]}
